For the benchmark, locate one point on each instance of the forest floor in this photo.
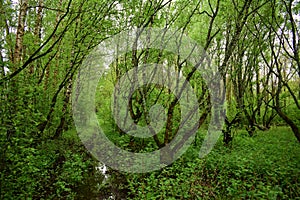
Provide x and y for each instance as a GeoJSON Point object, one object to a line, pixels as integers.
{"type": "Point", "coordinates": [265, 166]}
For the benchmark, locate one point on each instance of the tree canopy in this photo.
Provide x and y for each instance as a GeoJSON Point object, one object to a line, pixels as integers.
{"type": "Point", "coordinates": [248, 53]}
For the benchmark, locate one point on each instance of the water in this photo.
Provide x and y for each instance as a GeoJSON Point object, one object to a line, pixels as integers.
{"type": "Point", "coordinates": [103, 169]}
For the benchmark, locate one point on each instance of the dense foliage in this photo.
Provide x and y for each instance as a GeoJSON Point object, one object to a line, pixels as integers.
{"type": "Point", "coordinates": [253, 168]}
{"type": "Point", "coordinates": [253, 44]}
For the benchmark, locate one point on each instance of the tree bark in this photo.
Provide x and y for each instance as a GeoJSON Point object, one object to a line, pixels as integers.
{"type": "Point", "coordinates": [20, 32]}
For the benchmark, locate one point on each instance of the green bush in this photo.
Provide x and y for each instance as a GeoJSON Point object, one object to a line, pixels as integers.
{"type": "Point", "coordinates": [56, 169]}
{"type": "Point", "coordinates": [262, 167]}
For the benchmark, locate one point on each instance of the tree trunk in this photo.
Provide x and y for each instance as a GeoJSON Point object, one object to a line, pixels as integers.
{"type": "Point", "coordinates": [290, 122]}
{"type": "Point", "coordinates": [293, 126]}
{"type": "Point", "coordinates": [20, 32]}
